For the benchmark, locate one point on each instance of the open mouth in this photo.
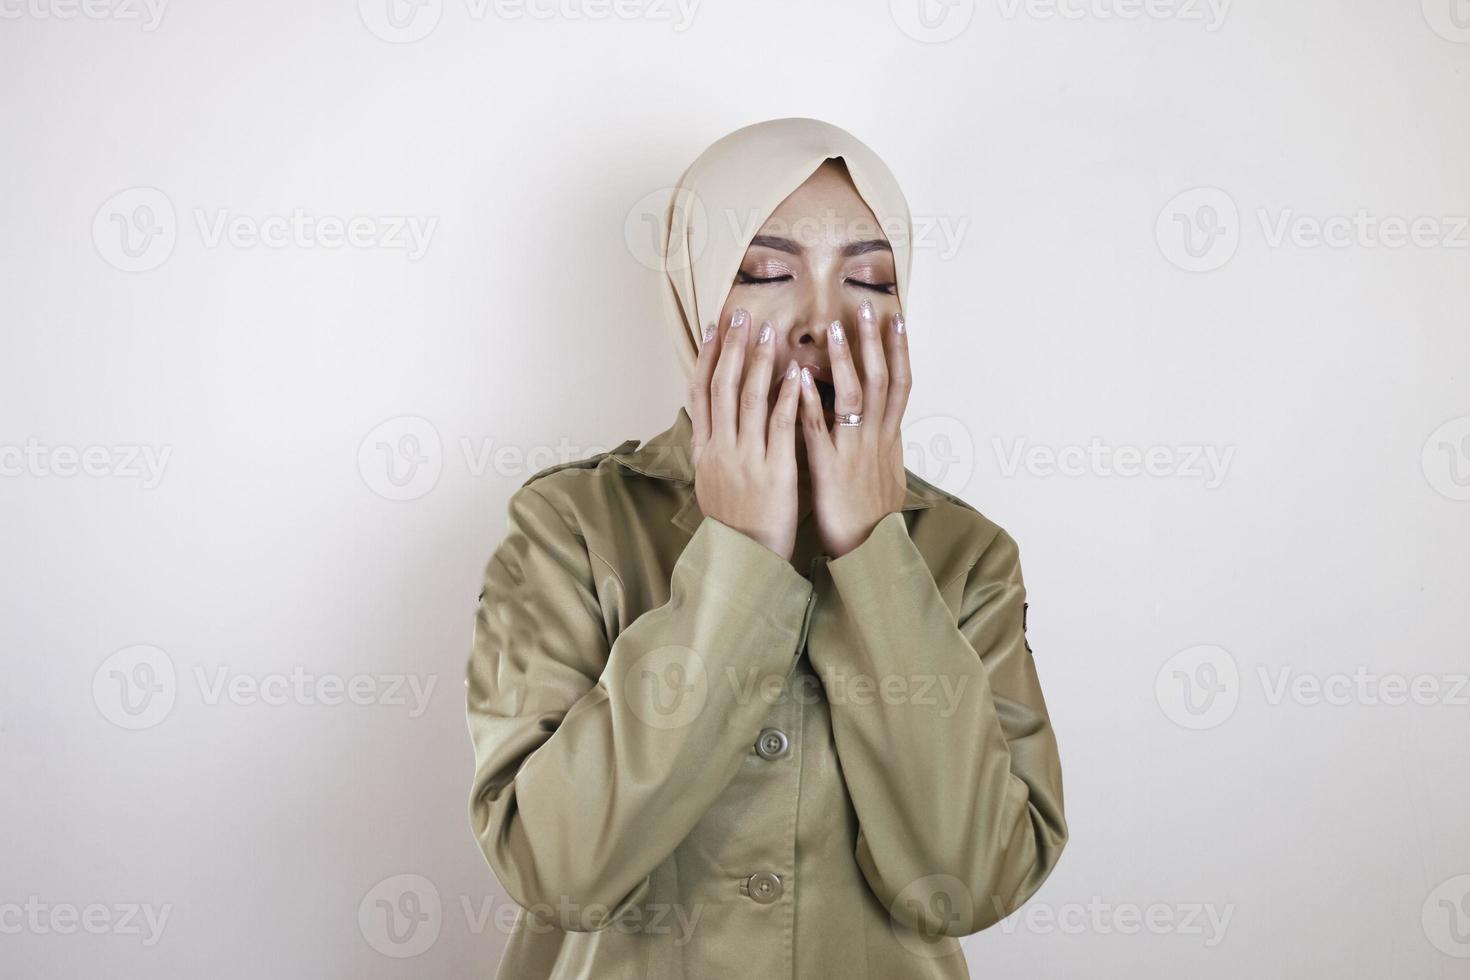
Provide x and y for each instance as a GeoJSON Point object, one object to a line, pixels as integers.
{"type": "Point", "coordinates": [821, 378]}
{"type": "Point", "coordinates": [827, 393]}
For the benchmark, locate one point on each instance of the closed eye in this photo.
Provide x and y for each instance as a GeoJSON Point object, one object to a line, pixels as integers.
{"type": "Point", "coordinates": [758, 280]}
{"type": "Point", "coordinates": [745, 278]}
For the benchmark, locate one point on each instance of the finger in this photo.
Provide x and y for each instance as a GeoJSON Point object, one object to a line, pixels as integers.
{"type": "Point", "coordinates": [813, 422]}
{"type": "Point", "coordinates": [849, 392]}
{"type": "Point", "coordinates": [756, 389]}
{"type": "Point", "coordinates": [724, 391]}
{"type": "Point", "coordinates": [698, 395]}
{"type": "Point", "coordinates": [900, 377]}
{"type": "Point", "coordinates": [781, 435]}
{"type": "Point", "coordinates": [875, 373]}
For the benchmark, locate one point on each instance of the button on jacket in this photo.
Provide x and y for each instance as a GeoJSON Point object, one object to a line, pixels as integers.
{"type": "Point", "coordinates": [697, 760]}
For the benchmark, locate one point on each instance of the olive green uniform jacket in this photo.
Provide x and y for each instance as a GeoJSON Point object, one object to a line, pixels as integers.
{"type": "Point", "coordinates": [698, 760]}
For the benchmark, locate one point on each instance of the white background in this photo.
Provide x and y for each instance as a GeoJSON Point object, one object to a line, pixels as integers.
{"type": "Point", "coordinates": [1082, 299]}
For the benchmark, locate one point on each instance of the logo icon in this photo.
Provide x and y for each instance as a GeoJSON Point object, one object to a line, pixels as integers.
{"type": "Point", "coordinates": [401, 916]}
{"type": "Point", "coordinates": [401, 21]}
{"type": "Point", "coordinates": [667, 687]}
{"type": "Point", "coordinates": [1446, 917]}
{"type": "Point", "coordinates": [135, 230]}
{"type": "Point", "coordinates": [939, 449]}
{"type": "Point", "coordinates": [1199, 229]}
{"type": "Point", "coordinates": [136, 687]}
{"type": "Point", "coordinates": [1446, 459]}
{"type": "Point", "coordinates": [932, 21]}
{"type": "Point", "coordinates": [1198, 687]}
{"type": "Point", "coordinates": [1450, 19]}
{"type": "Point", "coordinates": [647, 224]}
{"type": "Point", "coordinates": [940, 904]}
{"type": "Point", "coordinates": [402, 458]}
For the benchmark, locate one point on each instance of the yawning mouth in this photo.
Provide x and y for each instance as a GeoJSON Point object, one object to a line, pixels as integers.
{"type": "Point", "coordinates": [825, 390]}
{"type": "Point", "coordinates": [828, 393]}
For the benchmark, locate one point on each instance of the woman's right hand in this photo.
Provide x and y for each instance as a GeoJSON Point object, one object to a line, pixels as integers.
{"type": "Point", "coordinates": [745, 461]}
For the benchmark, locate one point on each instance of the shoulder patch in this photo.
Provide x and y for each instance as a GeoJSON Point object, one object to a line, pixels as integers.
{"type": "Point", "coordinates": [585, 463]}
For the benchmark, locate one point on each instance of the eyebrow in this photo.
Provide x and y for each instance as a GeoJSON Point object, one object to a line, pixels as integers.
{"type": "Point", "coordinates": [848, 250]}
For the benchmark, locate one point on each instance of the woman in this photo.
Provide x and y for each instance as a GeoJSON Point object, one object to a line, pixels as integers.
{"type": "Point", "coordinates": [752, 704]}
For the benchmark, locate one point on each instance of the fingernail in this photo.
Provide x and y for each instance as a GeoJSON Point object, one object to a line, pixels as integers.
{"type": "Point", "coordinates": [865, 310]}
{"type": "Point", "coordinates": [898, 326]}
{"type": "Point", "coordinates": [806, 377]}
{"type": "Point", "coordinates": [738, 318]}
{"type": "Point", "coordinates": [791, 371]}
{"type": "Point", "coordinates": [765, 333]}
{"type": "Point", "coordinates": [709, 331]}
{"type": "Point", "coordinates": [835, 329]}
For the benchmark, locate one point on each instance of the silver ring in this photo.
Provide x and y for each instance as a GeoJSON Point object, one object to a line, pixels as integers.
{"type": "Point", "coordinates": [849, 418]}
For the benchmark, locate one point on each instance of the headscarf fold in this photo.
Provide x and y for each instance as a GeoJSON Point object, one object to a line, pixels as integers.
{"type": "Point", "coordinates": [731, 189]}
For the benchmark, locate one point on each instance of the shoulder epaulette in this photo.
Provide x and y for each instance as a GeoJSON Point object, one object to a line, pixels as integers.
{"type": "Point", "coordinates": [587, 462]}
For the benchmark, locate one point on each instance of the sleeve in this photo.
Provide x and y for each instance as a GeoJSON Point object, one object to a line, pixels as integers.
{"type": "Point", "coordinates": [593, 760]}
{"type": "Point", "coordinates": [958, 793]}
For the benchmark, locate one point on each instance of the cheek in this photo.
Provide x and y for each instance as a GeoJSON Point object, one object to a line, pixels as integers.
{"type": "Point", "coordinates": [764, 303]}
{"type": "Point", "coordinates": [731, 302]}
{"type": "Point", "coordinates": [883, 309]}
{"type": "Point", "coordinates": [763, 308]}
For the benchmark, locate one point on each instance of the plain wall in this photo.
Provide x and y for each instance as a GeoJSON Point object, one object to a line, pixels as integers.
{"type": "Point", "coordinates": [1120, 261]}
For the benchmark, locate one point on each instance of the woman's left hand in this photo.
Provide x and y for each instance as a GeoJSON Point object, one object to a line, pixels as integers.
{"type": "Point", "coordinates": [857, 473]}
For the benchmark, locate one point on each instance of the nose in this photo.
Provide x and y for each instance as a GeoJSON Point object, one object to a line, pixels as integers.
{"type": "Point", "coordinates": [808, 334]}
{"type": "Point", "coordinates": [809, 327]}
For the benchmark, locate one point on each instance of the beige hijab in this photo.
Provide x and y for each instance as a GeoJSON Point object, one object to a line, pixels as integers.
{"type": "Point", "coordinates": [725, 196]}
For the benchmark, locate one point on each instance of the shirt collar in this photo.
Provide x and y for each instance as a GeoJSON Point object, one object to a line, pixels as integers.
{"type": "Point", "coordinates": [667, 457]}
